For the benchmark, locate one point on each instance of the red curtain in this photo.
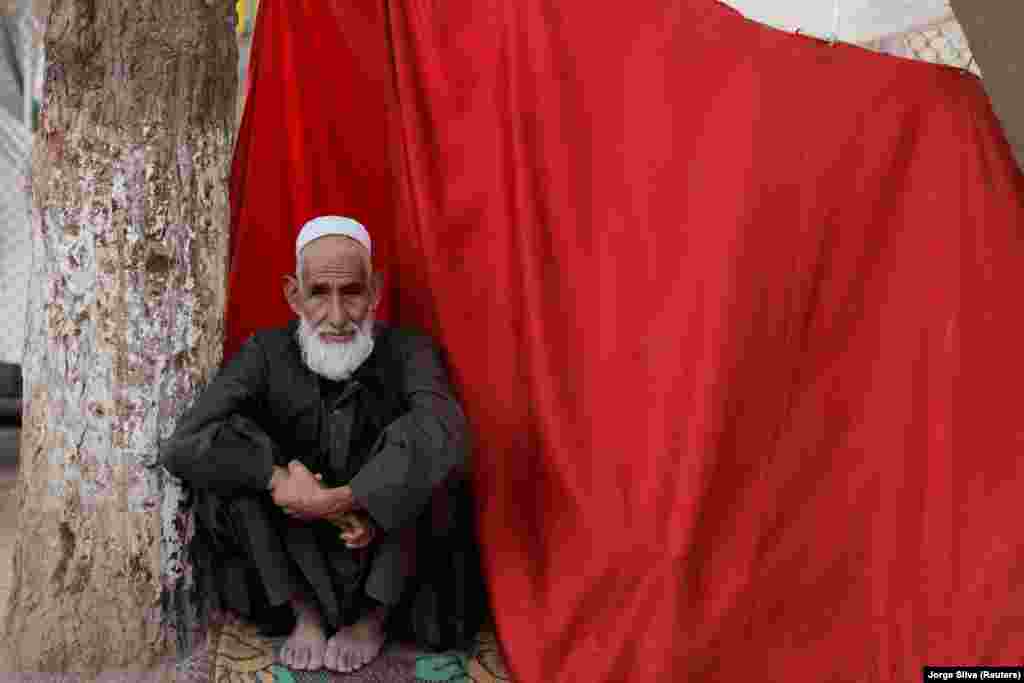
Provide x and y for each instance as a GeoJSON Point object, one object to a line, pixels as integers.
{"type": "Point", "coordinates": [733, 312]}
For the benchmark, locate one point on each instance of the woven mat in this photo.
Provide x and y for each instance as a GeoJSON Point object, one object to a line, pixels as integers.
{"type": "Point", "coordinates": [238, 654]}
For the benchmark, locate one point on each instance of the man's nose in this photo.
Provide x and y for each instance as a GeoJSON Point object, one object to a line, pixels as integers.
{"type": "Point", "coordinates": [337, 314]}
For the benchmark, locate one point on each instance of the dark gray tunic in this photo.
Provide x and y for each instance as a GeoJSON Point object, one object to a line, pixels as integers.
{"type": "Point", "coordinates": [393, 433]}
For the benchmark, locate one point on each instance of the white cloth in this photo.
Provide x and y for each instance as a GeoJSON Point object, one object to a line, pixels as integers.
{"type": "Point", "coordinates": [859, 21]}
{"type": "Point", "coordinates": [332, 225]}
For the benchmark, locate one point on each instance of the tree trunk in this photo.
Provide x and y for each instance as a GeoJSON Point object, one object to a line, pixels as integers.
{"type": "Point", "coordinates": [992, 28]}
{"type": "Point", "coordinates": [130, 225]}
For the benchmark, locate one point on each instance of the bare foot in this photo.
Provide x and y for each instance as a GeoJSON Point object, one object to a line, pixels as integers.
{"type": "Point", "coordinates": [305, 647]}
{"type": "Point", "coordinates": [355, 646]}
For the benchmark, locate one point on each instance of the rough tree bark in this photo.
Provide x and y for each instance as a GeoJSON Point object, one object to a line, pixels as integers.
{"type": "Point", "coordinates": [130, 224]}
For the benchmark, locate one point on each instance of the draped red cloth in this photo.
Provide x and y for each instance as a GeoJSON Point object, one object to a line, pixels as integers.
{"type": "Point", "coordinates": [734, 314]}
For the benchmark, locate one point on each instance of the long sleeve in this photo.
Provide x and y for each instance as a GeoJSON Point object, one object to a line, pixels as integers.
{"type": "Point", "coordinates": [217, 445]}
{"type": "Point", "coordinates": [417, 451]}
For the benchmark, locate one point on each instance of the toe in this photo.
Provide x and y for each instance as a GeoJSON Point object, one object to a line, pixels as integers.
{"type": "Point", "coordinates": [329, 657]}
{"type": "Point", "coordinates": [301, 658]}
{"type": "Point", "coordinates": [337, 658]}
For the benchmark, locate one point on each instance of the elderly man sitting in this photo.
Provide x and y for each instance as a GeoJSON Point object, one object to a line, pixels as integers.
{"type": "Point", "coordinates": [313, 454]}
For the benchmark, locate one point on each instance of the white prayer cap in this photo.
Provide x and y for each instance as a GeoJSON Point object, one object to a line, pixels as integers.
{"type": "Point", "coordinates": [332, 225]}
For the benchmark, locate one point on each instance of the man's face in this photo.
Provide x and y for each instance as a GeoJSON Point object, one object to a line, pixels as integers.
{"type": "Point", "coordinates": [336, 292]}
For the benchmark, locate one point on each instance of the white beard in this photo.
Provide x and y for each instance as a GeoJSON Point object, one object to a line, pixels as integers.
{"type": "Point", "coordinates": [335, 361]}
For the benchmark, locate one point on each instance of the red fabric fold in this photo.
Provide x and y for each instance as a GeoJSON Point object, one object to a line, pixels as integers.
{"type": "Point", "coordinates": [733, 313]}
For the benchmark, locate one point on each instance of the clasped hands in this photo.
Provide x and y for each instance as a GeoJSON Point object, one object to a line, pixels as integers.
{"type": "Point", "coordinates": [303, 497]}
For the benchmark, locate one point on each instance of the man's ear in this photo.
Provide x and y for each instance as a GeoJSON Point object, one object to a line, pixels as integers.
{"type": "Point", "coordinates": [293, 293]}
{"type": "Point", "coordinates": [376, 289]}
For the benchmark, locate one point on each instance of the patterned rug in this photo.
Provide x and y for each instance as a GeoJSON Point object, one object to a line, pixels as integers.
{"type": "Point", "coordinates": [239, 654]}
